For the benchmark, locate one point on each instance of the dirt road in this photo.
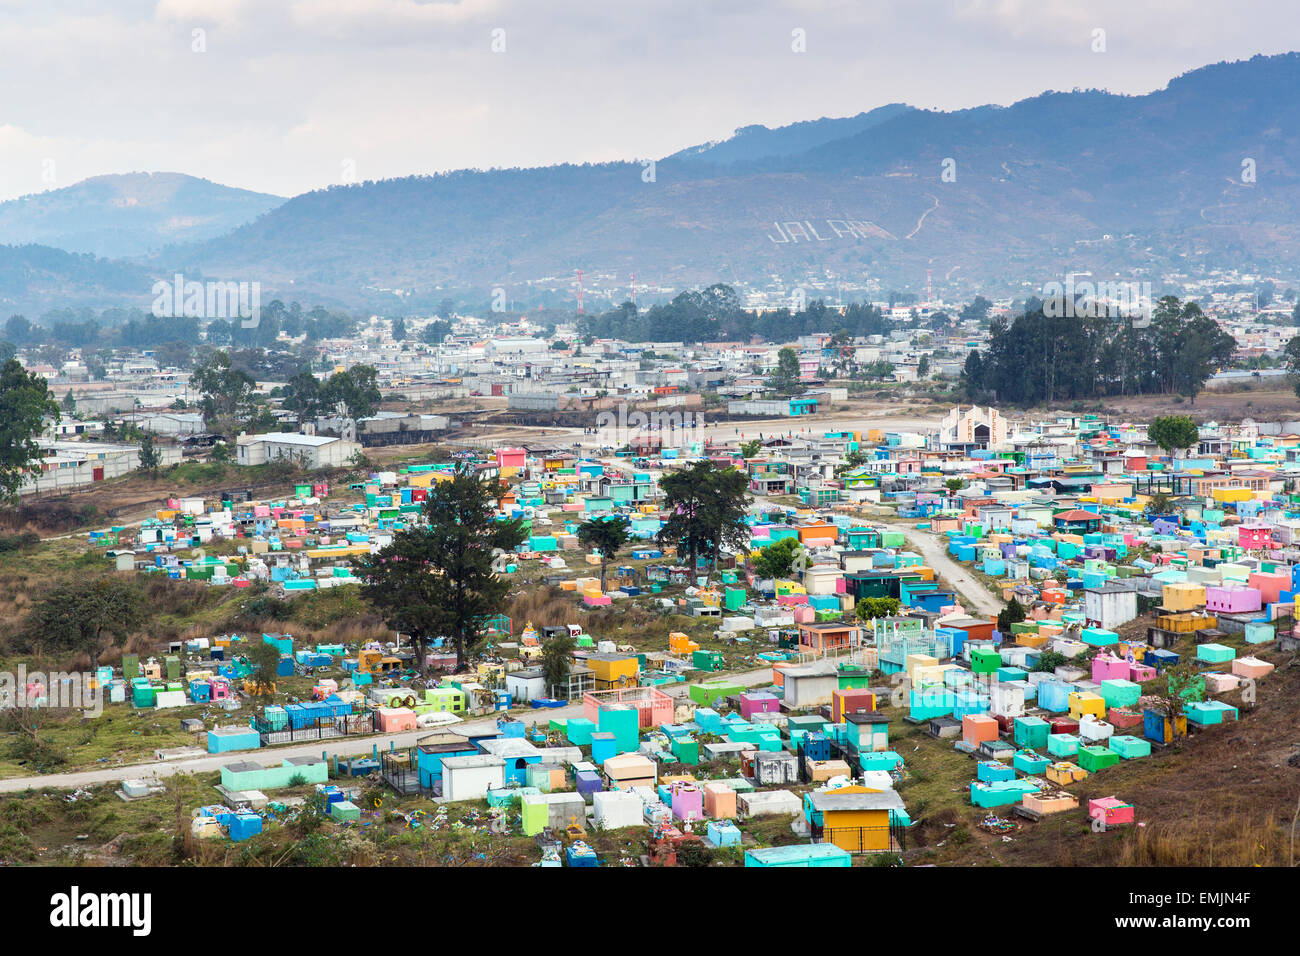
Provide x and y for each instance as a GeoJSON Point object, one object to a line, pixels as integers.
{"type": "Point", "coordinates": [980, 599]}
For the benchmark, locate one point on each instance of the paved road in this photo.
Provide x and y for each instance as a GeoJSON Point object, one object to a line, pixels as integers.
{"type": "Point", "coordinates": [344, 747]}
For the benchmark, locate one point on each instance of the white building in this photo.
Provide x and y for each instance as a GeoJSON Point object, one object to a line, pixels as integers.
{"type": "Point", "coordinates": [471, 777]}
{"type": "Point", "coordinates": [1110, 605]}
{"type": "Point", "coordinates": [74, 464]}
{"type": "Point", "coordinates": [526, 685]}
{"type": "Point", "coordinates": [514, 347]}
{"type": "Point", "coordinates": [975, 427]}
{"type": "Point", "coordinates": [171, 423]}
{"type": "Point", "coordinates": [313, 451]}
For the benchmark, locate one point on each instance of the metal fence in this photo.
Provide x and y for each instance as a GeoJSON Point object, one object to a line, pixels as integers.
{"type": "Point", "coordinates": [323, 728]}
{"type": "Point", "coordinates": [890, 839]}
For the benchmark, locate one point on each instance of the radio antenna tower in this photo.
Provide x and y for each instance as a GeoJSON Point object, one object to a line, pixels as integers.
{"type": "Point", "coordinates": [580, 292]}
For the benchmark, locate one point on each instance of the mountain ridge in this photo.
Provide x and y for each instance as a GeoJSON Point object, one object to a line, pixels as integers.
{"type": "Point", "coordinates": [124, 215]}
{"type": "Point", "coordinates": [986, 198]}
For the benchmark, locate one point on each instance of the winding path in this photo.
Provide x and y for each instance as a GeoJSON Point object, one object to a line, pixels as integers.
{"type": "Point", "coordinates": [966, 584]}
{"type": "Point", "coordinates": [920, 222]}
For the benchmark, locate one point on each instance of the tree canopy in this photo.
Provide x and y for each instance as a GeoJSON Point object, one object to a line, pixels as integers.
{"type": "Point", "coordinates": [25, 403]}
{"type": "Point", "coordinates": [777, 560]}
{"type": "Point", "coordinates": [1078, 357]}
{"type": "Point", "coordinates": [715, 315]}
{"type": "Point", "coordinates": [263, 661]}
{"type": "Point", "coordinates": [1173, 432]}
{"type": "Point", "coordinates": [706, 507]}
{"type": "Point", "coordinates": [606, 535]}
{"type": "Point", "coordinates": [436, 579]}
{"type": "Point", "coordinates": [86, 615]}
{"type": "Point", "coordinates": [229, 400]}
{"type": "Point", "coordinates": [557, 661]}
{"type": "Point", "coordinates": [355, 392]}
{"type": "Point", "coordinates": [784, 379]}
{"type": "Point", "coordinates": [870, 608]}
{"type": "Point", "coordinates": [1013, 613]}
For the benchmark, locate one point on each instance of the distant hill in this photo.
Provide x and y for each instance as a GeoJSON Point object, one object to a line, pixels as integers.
{"type": "Point", "coordinates": [130, 215]}
{"type": "Point", "coordinates": [36, 279]}
{"type": "Point", "coordinates": [1127, 187]}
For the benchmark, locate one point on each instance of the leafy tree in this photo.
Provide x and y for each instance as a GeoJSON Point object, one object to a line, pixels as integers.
{"type": "Point", "coordinates": [219, 332]}
{"type": "Point", "coordinates": [557, 661]}
{"type": "Point", "coordinates": [853, 459]}
{"type": "Point", "coordinates": [52, 354]}
{"type": "Point", "coordinates": [784, 379]}
{"type": "Point", "coordinates": [399, 329]}
{"type": "Point", "coordinates": [435, 331]}
{"type": "Point", "coordinates": [1085, 355]}
{"type": "Point", "coordinates": [923, 367]}
{"type": "Point", "coordinates": [777, 560]}
{"type": "Point", "coordinates": [694, 853]}
{"type": "Point", "coordinates": [25, 403]}
{"type": "Point", "coordinates": [1292, 353]}
{"type": "Point", "coordinates": [228, 394]}
{"type": "Point", "coordinates": [355, 391]}
{"type": "Point", "coordinates": [706, 507]}
{"type": "Point", "coordinates": [1049, 661]}
{"type": "Point", "coordinates": [149, 457]}
{"type": "Point", "coordinates": [263, 662]}
{"type": "Point", "coordinates": [1173, 432]}
{"type": "Point", "coordinates": [303, 394]}
{"type": "Point", "coordinates": [1181, 684]}
{"type": "Point", "coordinates": [714, 314]}
{"type": "Point", "coordinates": [972, 374]}
{"type": "Point", "coordinates": [954, 485]}
{"type": "Point", "coordinates": [437, 579]}
{"type": "Point", "coordinates": [1160, 504]}
{"type": "Point", "coordinates": [69, 404]}
{"type": "Point", "coordinates": [87, 615]}
{"type": "Point", "coordinates": [749, 449]}
{"type": "Point", "coordinates": [1013, 613]}
{"type": "Point", "coordinates": [97, 365]}
{"type": "Point", "coordinates": [20, 331]}
{"type": "Point", "coordinates": [1201, 348]}
{"type": "Point", "coordinates": [977, 311]}
{"type": "Point", "coordinates": [174, 354]}
{"type": "Point", "coordinates": [606, 535]}
{"type": "Point", "coordinates": [873, 607]}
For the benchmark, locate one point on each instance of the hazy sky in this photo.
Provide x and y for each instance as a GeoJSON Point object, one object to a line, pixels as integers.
{"type": "Point", "coordinates": [292, 95]}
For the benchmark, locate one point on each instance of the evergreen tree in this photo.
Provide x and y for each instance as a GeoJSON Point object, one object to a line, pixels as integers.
{"type": "Point", "coordinates": [437, 579]}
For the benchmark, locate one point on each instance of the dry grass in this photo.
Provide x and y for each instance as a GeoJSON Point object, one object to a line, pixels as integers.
{"type": "Point", "coordinates": [1209, 839]}
{"type": "Point", "coordinates": [544, 606]}
{"type": "Point", "coordinates": [356, 630]}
